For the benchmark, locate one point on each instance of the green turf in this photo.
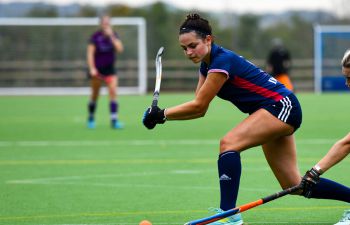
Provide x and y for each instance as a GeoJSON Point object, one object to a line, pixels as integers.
{"type": "Point", "coordinates": [53, 170]}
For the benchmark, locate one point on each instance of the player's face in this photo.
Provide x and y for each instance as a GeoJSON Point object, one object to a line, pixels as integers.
{"type": "Point", "coordinates": [346, 72]}
{"type": "Point", "coordinates": [196, 48]}
{"type": "Point", "coordinates": [105, 22]}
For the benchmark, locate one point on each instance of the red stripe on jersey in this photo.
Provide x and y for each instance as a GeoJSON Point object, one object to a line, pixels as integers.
{"type": "Point", "coordinates": [242, 83]}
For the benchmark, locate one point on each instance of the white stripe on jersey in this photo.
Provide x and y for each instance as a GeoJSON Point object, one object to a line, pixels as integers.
{"type": "Point", "coordinates": [287, 107]}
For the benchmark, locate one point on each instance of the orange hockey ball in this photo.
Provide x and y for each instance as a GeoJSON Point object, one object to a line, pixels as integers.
{"type": "Point", "coordinates": [145, 222]}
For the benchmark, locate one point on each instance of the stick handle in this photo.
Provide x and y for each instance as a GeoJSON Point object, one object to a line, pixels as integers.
{"type": "Point", "coordinates": [245, 207]}
{"type": "Point", "coordinates": [281, 193]}
{"type": "Point", "coordinates": [155, 98]}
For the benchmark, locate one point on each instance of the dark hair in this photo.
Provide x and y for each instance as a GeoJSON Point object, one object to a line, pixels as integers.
{"type": "Point", "coordinates": [196, 23]}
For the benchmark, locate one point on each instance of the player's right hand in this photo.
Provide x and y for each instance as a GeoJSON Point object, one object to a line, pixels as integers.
{"type": "Point", "coordinates": [93, 72]}
{"type": "Point", "coordinates": [153, 116]}
{"type": "Point", "coordinates": [310, 179]}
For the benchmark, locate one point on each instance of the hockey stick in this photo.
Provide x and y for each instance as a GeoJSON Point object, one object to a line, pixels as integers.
{"type": "Point", "coordinates": [158, 76]}
{"type": "Point", "coordinates": [245, 207]}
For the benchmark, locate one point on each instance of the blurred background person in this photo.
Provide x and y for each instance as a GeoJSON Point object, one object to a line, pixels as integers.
{"type": "Point", "coordinates": [102, 51]}
{"type": "Point", "coordinates": [279, 63]}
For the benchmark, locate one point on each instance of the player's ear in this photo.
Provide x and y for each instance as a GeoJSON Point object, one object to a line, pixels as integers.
{"type": "Point", "coordinates": [209, 39]}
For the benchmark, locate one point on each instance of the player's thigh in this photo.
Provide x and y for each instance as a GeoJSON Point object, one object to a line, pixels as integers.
{"type": "Point", "coordinates": [258, 128]}
{"type": "Point", "coordinates": [112, 84]}
{"type": "Point", "coordinates": [281, 155]}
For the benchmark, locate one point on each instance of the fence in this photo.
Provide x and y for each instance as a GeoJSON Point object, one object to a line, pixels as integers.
{"type": "Point", "coordinates": [178, 75]}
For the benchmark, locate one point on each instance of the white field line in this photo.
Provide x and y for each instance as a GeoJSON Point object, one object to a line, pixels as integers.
{"type": "Point", "coordinates": [177, 223]}
{"type": "Point", "coordinates": [135, 185]}
{"type": "Point", "coordinates": [82, 180]}
{"type": "Point", "coordinates": [78, 143]}
{"type": "Point", "coordinates": [170, 212]}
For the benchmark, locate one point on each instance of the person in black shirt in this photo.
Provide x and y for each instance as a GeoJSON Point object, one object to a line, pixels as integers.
{"type": "Point", "coordinates": [279, 63]}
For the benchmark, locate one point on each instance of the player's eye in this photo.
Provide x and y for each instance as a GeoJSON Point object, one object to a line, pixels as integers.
{"type": "Point", "coordinates": [192, 46]}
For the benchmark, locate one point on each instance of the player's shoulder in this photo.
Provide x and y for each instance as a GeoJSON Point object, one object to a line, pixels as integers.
{"type": "Point", "coordinates": [220, 53]}
{"type": "Point", "coordinates": [96, 34]}
{"type": "Point", "coordinates": [223, 55]}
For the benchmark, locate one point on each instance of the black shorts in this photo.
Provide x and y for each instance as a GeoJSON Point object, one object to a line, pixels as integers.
{"type": "Point", "coordinates": [287, 110]}
{"type": "Point", "coordinates": [105, 71]}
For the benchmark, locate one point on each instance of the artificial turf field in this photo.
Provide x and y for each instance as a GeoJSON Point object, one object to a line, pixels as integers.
{"type": "Point", "coordinates": [55, 171]}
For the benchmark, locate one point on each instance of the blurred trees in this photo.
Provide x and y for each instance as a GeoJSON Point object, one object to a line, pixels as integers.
{"type": "Point", "coordinates": [246, 37]}
{"type": "Point", "coordinates": [87, 11]}
{"type": "Point", "coordinates": [241, 33]}
{"type": "Point", "coordinates": [41, 11]}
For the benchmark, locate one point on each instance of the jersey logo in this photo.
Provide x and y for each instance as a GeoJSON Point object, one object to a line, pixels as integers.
{"type": "Point", "coordinates": [273, 80]}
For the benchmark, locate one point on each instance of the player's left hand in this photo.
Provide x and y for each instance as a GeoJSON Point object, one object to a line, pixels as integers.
{"type": "Point", "coordinates": [153, 116]}
{"type": "Point", "coordinates": [310, 179]}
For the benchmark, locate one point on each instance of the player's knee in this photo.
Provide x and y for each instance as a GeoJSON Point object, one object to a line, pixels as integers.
{"type": "Point", "coordinates": [223, 144]}
{"type": "Point", "coordinates": [228, 144]}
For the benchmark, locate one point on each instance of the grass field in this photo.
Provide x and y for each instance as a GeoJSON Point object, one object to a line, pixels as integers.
{"type": "Point", "coordinates": [54, 171]}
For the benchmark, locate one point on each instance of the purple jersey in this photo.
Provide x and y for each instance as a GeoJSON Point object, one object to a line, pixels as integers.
{"type": "Point", "coordinates": [247, 87]}
{"type": "Point", "coordinates": [105, 52]}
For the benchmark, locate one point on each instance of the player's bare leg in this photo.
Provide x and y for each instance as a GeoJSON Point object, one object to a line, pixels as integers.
{"type": "Point", "coordinates": [255, 130]}
{"type": "Point", "coordinates": [282, 158]}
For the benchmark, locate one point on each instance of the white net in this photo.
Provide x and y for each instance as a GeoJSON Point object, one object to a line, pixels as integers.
{"type": "Point", "coordinates": [331, 42]}
{"type": "Point", "coordinates": [48, 55]}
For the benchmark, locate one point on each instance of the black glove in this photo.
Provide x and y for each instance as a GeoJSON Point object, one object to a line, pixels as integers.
{"type": "Point", "coordinates": [153, 116]}
{"type": "Point", "coordinates": [310, 179]}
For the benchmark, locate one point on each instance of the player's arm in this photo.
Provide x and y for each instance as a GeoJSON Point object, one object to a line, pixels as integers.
{"type": "Point", "coordinates": [337, 153]}
{"type": "Point", "coordinates": [90, 59]}
{"type": "Point", "coordinates": [198, 106]}
{"type": "Point", "coordinates": [117, 43]}
{"type": "Point", "coordinates": [201, 80]}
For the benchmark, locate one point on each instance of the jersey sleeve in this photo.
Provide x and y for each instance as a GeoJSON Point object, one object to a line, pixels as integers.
{"type": "Point", "coordinates": [220, 65]}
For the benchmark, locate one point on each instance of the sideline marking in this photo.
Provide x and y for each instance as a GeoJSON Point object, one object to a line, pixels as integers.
{"type": "Point", "coordinates": [4, 144]}
{"type": "Point", "coordinates": [121, 214]}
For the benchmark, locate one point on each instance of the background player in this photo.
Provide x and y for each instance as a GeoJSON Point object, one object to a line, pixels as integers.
{"type": "Point", "coordinates": [101, 57]}
{"type": "Point", "coordinates": [337, 152]}
{"type": "Point", "coordinates": [279, 63]}
{"type": "Point", "coordinates": [274, 114]}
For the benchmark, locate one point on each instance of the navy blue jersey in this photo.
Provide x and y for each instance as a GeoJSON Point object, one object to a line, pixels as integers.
{"type": "Point", "coordinates": [247, 87]}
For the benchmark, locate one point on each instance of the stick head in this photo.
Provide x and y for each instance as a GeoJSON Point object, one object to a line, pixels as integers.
{"type": "Point", "coordinates": [159, 53]}
{"type": "Point", "coordinates": [158, 76]}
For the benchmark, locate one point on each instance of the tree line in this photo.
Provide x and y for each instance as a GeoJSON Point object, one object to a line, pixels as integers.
{"type": "Point", "coordinates": [241, 33]}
